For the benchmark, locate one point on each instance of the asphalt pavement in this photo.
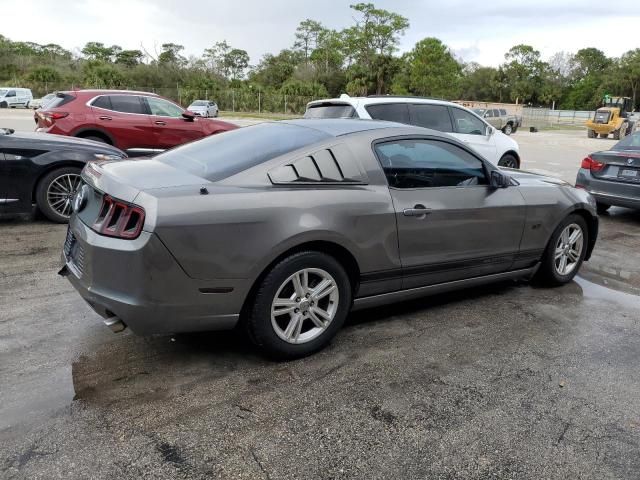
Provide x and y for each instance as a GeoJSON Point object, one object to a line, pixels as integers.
{"type": "Point", "coordinates": [508, 381]}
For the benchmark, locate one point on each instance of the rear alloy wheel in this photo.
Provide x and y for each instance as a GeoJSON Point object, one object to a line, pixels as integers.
{"type": "Point", "coordinates": [565, 252]}
{"type": "Point", "coordinates": [300, 305]}
{"type": "Point", "coordinates": [508, 161]}
{"type": "Point", "coordinates": [55, 191]}
{"type": "Point", "coordinates": [508, 129]}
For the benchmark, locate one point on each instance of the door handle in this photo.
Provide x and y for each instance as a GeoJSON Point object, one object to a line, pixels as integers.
{"type": "Point", "coordinates": [160, 122]}
{"type": "Point", "coordinates": [417, 211]}
{"type": "Point", "coordinates": [104, 117]}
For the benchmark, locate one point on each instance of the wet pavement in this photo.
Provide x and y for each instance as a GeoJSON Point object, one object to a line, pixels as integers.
{"type": "Point", "coordinates": [505, 381]}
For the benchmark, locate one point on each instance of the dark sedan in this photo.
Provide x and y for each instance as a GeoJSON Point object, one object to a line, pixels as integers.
{"type": "Point", "coordinates": [45, 169]}
{"type": "Point", "coordinates": [613, 176]}
{"type": "Point", "coordinates": [284, 227]}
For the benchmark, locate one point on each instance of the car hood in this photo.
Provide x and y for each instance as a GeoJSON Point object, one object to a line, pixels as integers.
{"type": "Point", "coordinates": [126, 179]}
{"type": "Point", "coordinates": [52, 142]}
{"type": "Point", "coordinates": [525, 177]}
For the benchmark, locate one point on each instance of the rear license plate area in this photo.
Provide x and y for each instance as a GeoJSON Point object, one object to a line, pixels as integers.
{"type": "Point", "coordinates": [629, 174]}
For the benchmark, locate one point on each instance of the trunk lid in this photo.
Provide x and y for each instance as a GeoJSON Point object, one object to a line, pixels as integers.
{"type": "Point", "coordinates": [618, 166]}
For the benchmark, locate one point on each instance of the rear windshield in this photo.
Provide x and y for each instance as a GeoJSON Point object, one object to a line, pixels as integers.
{"type": "Point", "coordinates": [225, 154]}
{"type": "Point", "coordinates": [60, 100]}
{"type": "Point", "coordinates": [632, 142]}
{"type": "Point", "coordinates": [330, 111]}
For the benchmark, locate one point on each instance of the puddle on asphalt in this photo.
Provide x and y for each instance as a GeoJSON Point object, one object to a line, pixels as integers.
{"type": "Point", "coordinates": [593, 291]}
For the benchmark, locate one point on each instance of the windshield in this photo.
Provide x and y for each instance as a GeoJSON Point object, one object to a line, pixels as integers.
{"type": "Point", "coordinates": [199, 103]}
{"type": "Point", "coordinates": [479, 111]}
{"type": "Point", "coordinates": [632, 142]}
{"type": "Point", "coordinates": [3, 92]}
{"type": "Point", "coordinates": [226, 154]}
{"type": "Point", "coordinates": [330, 111]}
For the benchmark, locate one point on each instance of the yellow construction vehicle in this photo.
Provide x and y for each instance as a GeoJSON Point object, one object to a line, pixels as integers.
{"type": "Point", "coordinates": [612, 117]}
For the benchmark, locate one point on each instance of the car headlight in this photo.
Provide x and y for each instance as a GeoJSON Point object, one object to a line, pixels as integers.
{"type": "Point", "coordinates": [106, 156]}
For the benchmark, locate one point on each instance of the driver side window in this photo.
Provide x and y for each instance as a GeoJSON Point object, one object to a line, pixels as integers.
{"type": "Point", "coordinates": [467, 123]}
{"type": "Point", "coordinates": [162, 108]}
{"type": "Point", "coordinates": [429, 164]}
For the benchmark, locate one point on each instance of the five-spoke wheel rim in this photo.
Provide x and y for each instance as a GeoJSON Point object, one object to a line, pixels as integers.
{"type": "Point", "coordinates": [61, 191]}
{"type": "Point", "coordinates": [568, 249]}
{"type": "Point", "coordinates": [305, 305]}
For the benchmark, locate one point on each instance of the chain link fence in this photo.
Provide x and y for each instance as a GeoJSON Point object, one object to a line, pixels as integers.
{"type": "Point", "coordinates": [545, 117]}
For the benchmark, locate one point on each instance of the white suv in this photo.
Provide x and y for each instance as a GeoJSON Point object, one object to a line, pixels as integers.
{"type": "Point", "coordinates": [447, 117]}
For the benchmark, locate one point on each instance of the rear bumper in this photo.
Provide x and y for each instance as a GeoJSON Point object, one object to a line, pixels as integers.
{"type": "Point", "coordinates": [139, 282]}
{"type": "Point", "coordinates": [610, 192]}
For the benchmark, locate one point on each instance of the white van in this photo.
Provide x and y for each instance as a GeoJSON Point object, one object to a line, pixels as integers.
{"type": "Point", "coordinates": [15, 97]}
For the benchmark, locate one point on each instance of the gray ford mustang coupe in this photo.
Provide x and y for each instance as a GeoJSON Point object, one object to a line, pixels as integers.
{"type": "Point", "coordinates": [284, 227]}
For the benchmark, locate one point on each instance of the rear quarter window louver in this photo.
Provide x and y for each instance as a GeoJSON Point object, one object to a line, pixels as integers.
{"type": "Point", "coordinates": [334, 165]}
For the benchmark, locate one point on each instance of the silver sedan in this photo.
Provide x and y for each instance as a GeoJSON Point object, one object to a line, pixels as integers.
{"type": "Point", "coordinates": [284, 227]}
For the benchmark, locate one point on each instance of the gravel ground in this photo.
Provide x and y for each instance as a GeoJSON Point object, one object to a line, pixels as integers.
{"type": "Point", "coordinates": [505, 381]}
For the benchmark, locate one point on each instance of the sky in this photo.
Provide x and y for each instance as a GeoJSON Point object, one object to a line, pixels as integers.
{"type": "Point", "coordinates": [480, 31]}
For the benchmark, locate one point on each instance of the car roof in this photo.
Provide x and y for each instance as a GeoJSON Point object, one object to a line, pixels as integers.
{"type": "Point", "coordinates": [378, 99]}
{"type": "Point", "coordinates": [345, 126]}
{"type": "Point", "coordinates": [97, 91]}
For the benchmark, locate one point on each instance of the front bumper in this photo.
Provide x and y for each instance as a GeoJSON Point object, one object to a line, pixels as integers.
{"type": "Point", "coordinates": [610, 192]}
{"type": "Point", "coordinates": [139, 282]}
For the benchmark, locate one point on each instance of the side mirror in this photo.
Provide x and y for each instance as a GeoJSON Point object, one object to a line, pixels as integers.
{"type": "Point", "coordinates": [499, 179]}
{"type": "Point", "coordinates": [489, 131]}
{"type": "Point", "coordinates": [188, 116]}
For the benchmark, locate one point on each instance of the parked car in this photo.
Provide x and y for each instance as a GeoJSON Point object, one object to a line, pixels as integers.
{"type": "Point", "coordinates": [284, 226]}
{"type": "Point", "coordinates": [500, 119]}
{"type": "Point", "coordinates": [45, 170]}
{"type": "Point", "coordinates": [447, 117]}
{"type": "Point", "coordinates": [40, 102]}
{"type": "Point", "coordinates": [11, 97]}
{"type": "Point", "coordinates": [204, 108]}
{"type": "Point", "coordinates": [137, 122]}
{"type": "Point", "coordinates": [613, 176]}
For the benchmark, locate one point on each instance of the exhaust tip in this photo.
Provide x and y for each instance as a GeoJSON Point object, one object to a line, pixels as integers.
{"type": "Point", "coordinates": [115, 324]}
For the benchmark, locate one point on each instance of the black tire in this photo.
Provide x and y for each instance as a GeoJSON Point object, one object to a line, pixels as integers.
{"type": "Point", "coordinates": [4, 104]}
{"type": "Point", "coordinates": [515, 129]}
{"type": "Point", "coordinates": [96, 139]}
{"type": "Point", "coordinates": [41, 193]}
{"type": "Point", "coordinates": [508, 129]}
{"type": "Point", "coordinates": [509, 161]}
{"type": "Point", "coordinates": [591, 133]}
{"type": "Point", "coordinates": [547, 273]}
{"type": "Point", "coordinates": [602, 207]}
{"type": "Point", "coordinates": [258, 322]}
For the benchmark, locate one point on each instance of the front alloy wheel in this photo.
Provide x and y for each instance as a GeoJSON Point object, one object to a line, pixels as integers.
{"type": "Point", "coordinates": [305, 305]}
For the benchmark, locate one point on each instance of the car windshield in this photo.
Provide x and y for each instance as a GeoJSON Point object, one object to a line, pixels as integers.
{"type": "Point", "coordinates": [632, 142]}
{"type": "Point", "coordinates": [479, 111]}
{"type": "Point", "coordinates": [199, 103]}
{"type": "Point", "coordinates": [3, 91]}
{"type": "Point", "coordinates": [225, 154]}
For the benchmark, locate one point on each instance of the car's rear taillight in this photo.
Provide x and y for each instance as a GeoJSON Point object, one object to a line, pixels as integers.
{"type": "Point", "coordinates": [119, 219]}
{"type": "Point", "coordinates": [591, 164]}
{"type": "Point", "coordinates": [51, 117]}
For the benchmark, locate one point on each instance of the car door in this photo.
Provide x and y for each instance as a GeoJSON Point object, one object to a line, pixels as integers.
{"type": "Point", "coordinates": [451, 224]}
{"type": "Point", "coordinates": [170, 127]}
{"type": "Point", "coordinates": [11, 98]}
{"type": "Point", "coordinates": [14, 179]}
{"type": "Point", "coordinates": [471, 130]}
{"type": "Point", "coordinates": [125, 118]}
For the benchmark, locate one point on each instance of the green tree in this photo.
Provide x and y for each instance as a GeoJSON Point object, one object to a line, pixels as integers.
{"type": "Point", "coordinates": [629, 73]}
{"type": "Point", "coordinates": [171, 55]}
{"type": "Point", "coordinates": [524, 70]}
{"type": "Point", "coordinates": [480, 83]}
{"type": "Point", "coordinates": [307, 37]}
{"type": "Point", "coordinates": [44, 74]}
{"type": "Point", "coordinates": [430, 70]}
{"type": "Point", "coordinates": [98, 51]}
{"type": "Point", "coordinates": [376, 34]}
{"type": "Point", "coordinates": [129, 58]}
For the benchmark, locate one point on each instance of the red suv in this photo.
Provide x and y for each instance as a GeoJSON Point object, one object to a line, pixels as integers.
{"type": "Point", "coordinates": [137, 122]}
